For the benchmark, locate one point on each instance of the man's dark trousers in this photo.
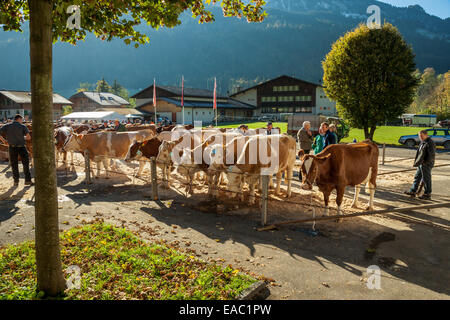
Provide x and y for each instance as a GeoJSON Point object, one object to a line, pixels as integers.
{"type": "Point", "coordinates": [423, 173]}
{"type": "Point", "coordinates": [300, 175]}
{"type": "Point", "coordinates": [14, 153]}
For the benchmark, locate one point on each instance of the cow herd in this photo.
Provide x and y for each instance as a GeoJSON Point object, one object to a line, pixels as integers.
{"type": "Point", "coordinates": [232, 157]}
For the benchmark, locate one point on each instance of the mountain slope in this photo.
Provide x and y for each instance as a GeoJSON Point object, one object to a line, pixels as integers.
{"type": "Point", "coordinates": [293, 40]}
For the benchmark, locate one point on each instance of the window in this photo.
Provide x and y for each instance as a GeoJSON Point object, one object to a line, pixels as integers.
{"type": "Point", "coordinates": [286, 99]}
{"type": "Point", "coordinates": [268, 99]}
{"type": "Point", "coordinates": [439, 133]}
{"type": "Point", "coordinates": [303, 98]}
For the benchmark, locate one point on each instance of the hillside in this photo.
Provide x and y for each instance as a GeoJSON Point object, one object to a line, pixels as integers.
{"type": "Point", "coordinates": [292, 40]}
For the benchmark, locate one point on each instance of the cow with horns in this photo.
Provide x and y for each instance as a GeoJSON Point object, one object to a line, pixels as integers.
{"type": "Point", "coordinates": [339, 166]}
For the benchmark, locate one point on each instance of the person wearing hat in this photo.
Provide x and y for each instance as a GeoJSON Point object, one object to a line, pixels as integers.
{"type": "Point", "coordinates": [16, 134]}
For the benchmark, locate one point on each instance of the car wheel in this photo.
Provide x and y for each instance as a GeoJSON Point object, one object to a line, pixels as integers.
{"type": "Point", "coordinates": [410, 143]}
{"type": "Point", "coordinates": [447, 145]}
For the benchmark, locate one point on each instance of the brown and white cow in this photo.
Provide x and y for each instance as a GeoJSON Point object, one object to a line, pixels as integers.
{"type": "Point", "coordinates": [107, 145]}
{"type": "Point", "coordinates": [62, 135]}
{"type": "Point", "coordinates": [193, 161]}
{"type": "Point", "coordinates": [223, 154]}
{"type": "Point", "coordinates": [263, 155]}
{"type": "Point", "coordinates": [339, 166]}
{"type": "Point", "coordinates": [144, 151]}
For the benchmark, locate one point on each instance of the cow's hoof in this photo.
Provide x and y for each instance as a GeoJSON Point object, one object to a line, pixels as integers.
{"type": "Point", "coordinates": [339, 220]}
{"type": "Point", "coordinates": [354, 206]}
{"type": "Point", "coordinates": [369, 209]}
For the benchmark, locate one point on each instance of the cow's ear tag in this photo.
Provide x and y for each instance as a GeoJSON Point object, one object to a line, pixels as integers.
{"type": "Point", "coordinates": [214, 152]}
{"type": "Point", "coordinates": [230, 168]}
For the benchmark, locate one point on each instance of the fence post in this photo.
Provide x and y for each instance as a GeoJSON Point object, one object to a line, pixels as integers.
{"type": "Point", "coordinates": [264, 198]}
{"type": "Point", "coordinates": [384, 152]}
{"type": "Point", "coordinates": [87, 167]}
{"type": "Point", "coordinates": [154, 179]}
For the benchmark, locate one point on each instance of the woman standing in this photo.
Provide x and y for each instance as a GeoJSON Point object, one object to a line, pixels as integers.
{"type": "Point", "coordinates": [318, 142]}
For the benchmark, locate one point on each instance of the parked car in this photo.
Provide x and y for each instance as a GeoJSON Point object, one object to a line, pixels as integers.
{"type": "Point", "coordinates": [268, 118]}
{"type": "Point", "coordinates": [445, 123]}
{"type": "Point", "coordinates": [440, 136]}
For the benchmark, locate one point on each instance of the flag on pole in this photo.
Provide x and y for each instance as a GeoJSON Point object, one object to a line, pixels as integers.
{"type": "Point", "coordinates": [215, 93]}
{"type": "Point", "coordinates": [154, 92]}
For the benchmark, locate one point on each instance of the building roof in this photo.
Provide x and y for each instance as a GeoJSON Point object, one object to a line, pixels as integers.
{"type": "Point", "coordinates": [230, 104]}
{"type": "Point", "coordinates": [188, 92]}
{"type": "Point", "coordinates": [123, 111]}
{"type": "Point", "coordinates": [262, 83]}
{"type": "Point", "coordinates": [102, 98]}
{"type": "Point", "coordinates": [25, 97]}
{"type": "Point", "coordinates": [93, 115]}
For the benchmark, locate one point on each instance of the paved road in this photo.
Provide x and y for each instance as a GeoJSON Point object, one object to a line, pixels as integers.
{"type": "Point", "coordinates": [414, 258]}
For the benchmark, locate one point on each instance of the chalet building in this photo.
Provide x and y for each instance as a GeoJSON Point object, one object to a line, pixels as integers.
{"type": "Point", "coordinates": [286, 95]}
{"type": "Point", "coordinates": [87, 101]}
{"type": "Point", "coordinates": [198, 105]}
{"type": "Point", "coordinates": [19, 102]}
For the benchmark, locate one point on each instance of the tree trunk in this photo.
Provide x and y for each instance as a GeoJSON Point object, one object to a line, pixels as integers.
{"type": "Point", "coordinates": [369, 132]}
{"type": "Point", "coordinates": [372, 132]}
{"type": "Point", "coordinates": [48, 260]}
{"type": "Point", "coordinates": [366, 132]}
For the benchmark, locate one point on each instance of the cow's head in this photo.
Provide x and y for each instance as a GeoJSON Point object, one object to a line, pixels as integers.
{"type": "Point", "coordinates": [166, 149]}
{"type": "Point", "coordinates": [235, 181]}
{"type": "Point", "coordinates": [310, 169]}
{"type": "Point", "coordinates": [73, 143]}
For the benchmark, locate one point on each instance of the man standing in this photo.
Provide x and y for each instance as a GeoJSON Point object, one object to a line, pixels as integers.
{"type": "Point", "coordinates": [424, 162]}
{"type": "Point", "coordinates": [119, 127]}
{"type": "Point", "coordinates": [269, 129]}
{"type": "Point", "coordinates": [329, 137]}
{"type": "Point", "coordinates": [304, 136]}
{"type": "Point", "coordinates": [16, 133]}
{"type": "Point", "coordinates": [333, 129]}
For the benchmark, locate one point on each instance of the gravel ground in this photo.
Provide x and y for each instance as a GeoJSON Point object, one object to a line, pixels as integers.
{"type": "Point", "coordinates": [299, 264]}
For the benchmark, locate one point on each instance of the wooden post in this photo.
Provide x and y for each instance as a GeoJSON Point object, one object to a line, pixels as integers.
{"type": "Point", "coordinates": [87, 167]}
{"type": "Point", "coordinates": [384, 153]}
{"type": "Point", "coordinates": [154, 179]}
{"type": "Point", "coordinates": [264, 198]}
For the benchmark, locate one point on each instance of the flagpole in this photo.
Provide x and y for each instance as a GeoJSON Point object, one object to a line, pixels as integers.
{"type": "Point", "coordinates": [154, 99]}
{"type": "Point", "coordinates": [215, 99]}
{"type": "Point", "coordinates": [182, 96]}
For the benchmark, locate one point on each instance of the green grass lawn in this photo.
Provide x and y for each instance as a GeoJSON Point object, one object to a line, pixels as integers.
{"type": "Point", "coordinates": [115, 264]}
{"type": "Point", "coordinates": [385, 134]}
{"type": "Point", "coordinates": [257, 125]}
{"type": "Point", "coordinates": [388, 135]}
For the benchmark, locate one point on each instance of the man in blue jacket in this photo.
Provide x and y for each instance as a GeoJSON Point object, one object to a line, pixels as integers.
{"type": "Point", "coordinates": [330, 137]}
{"type": "Point", "coordinates": [424, 163]}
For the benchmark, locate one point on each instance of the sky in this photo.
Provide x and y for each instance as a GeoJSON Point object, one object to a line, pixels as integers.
{"type": "Point", "coordinates": [440, 8]}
